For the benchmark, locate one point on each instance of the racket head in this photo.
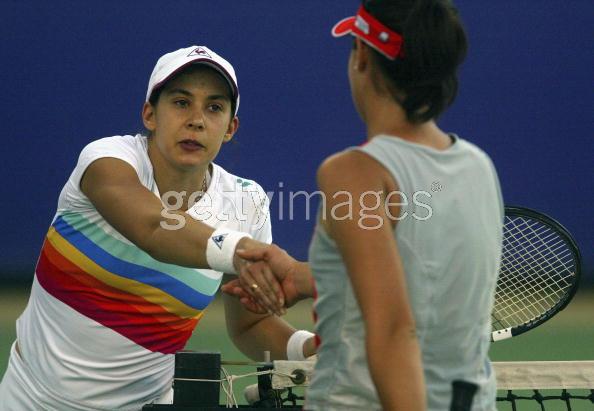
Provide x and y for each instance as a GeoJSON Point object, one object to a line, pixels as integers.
{"type": "Point", "coordinates": [539, 274]}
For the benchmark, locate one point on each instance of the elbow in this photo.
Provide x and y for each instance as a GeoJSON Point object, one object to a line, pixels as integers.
{"type": "Point", "coordinates": [235, 331]}
{"type": "Point", "coordinates": [404, 326]}
{"type": "Point", "coordinates": [147, 241]}
{"type": "Point", "coordinates": [241, 338]}
{"type": "Point", "coordinates": [235, 338]}
{"type": "Point", "coordinates": [238, 330]}
{"type": "Point", "coordinates": [153, 252]}
{"type": "Point", "coordinates": [393, 328]}
{"type": "Point", "coordinates": [405, 331]}
{"type": "Point", "coordinates": [383, 340]}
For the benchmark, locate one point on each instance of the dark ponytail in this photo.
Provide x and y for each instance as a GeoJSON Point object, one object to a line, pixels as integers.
{"type": "Point", "coordinates": [424, 80]}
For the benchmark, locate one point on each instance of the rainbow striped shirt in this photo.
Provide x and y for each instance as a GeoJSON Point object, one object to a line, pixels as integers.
{"type": "Point", "coordinates": [154, 304]}
{"type": "Point", "coordinates": [105, 318]}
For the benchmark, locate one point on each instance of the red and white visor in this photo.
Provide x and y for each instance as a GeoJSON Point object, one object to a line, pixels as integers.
{"type": "Point", "coordinates": [372, 32]}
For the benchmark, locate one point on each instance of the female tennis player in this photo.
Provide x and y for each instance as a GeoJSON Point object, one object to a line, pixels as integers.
{"type": "Point", "coordinates": [116, 291]}
{"type": "Point", "coordinates": [406, 251]}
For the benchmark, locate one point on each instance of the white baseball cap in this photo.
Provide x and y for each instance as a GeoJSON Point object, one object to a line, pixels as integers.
{"type": "Point", "coordinates": [172, 63]}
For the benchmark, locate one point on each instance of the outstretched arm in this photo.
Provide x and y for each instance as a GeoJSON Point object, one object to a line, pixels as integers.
{"type": "Point", "coordinates": [255, 333]}
{"type": "Point", "coordinates": [113, 187]}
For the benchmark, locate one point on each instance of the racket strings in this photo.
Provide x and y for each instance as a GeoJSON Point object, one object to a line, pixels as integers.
{"type": "Point", "coordinates": [530, 299]}
{"type": "Point", "coordinates": [529, 245]}
{"type": "Point", "coordinates": [543, 294]}
{"type": "Point", "coordinates": [534, 271]}
{"type": "Point", "coordinates": [539, 258]}
{"type": "Point", "coordinates": [524, 291]}
{"type": "Point", "coordinates": [539, 292]}
{"type": "Point", "coordinates": [525, 253]}
{"type": "Point", "coordinates": [536, 268]}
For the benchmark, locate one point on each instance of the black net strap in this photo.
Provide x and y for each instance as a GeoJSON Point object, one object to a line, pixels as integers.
{"type": "Point", "coordinates": [564, 396]}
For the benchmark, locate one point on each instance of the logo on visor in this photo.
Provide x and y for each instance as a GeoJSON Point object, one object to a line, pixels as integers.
{"type": "Point", "coordinates": [199, 51]}
{"type": "Point", "coordinates": [362, 24]}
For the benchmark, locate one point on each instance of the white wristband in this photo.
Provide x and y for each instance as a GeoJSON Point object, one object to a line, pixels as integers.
{"type": "Point", "coordinates": [295, 345]}
{"type": "Point", "coordinates": [220, 249]}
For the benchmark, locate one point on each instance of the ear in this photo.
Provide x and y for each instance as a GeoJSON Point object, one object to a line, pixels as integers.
{"type": "Point", "coordinates": [231, 130]}
{"type": "Point", "coordinates": [361, 55]}
{"type": "Point", "coordinates": [148, 116]}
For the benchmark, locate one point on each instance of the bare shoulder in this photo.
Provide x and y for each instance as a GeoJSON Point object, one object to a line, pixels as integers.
{"type": "Point", "coordinates": [352, 168]}
{"type": "Point", "coordinates": [107, 171]}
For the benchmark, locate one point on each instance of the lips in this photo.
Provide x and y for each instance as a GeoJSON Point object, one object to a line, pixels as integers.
{"type": "Point", "coordinates": [191, 145]}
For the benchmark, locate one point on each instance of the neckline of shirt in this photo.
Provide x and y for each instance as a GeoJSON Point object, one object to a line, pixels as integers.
{"type": "Point", "coordinates": [456, 142]}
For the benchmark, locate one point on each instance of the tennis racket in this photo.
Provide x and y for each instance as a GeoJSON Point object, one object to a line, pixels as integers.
{"type": "Point", "coordinates": [539, 274]}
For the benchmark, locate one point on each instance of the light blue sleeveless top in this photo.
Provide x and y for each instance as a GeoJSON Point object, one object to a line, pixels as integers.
{"type": "Point", "coordinates": [450, 244]}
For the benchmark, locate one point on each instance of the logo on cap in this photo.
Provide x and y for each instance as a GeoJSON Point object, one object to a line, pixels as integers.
{"type": "Point", "coordinates": [199, 51]}
{"type": "Point", "coordinates": [362, 24]}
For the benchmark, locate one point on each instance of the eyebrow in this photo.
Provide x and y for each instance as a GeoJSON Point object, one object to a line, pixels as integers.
{"type": "Point", "coordinates": [179, 91]}
{"type": "Point", "coordinates": [188, 94]}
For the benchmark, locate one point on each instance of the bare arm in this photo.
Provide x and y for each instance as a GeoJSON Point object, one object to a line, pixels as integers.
{"type": "Point", "coordinates": [113, 187]}
{"type": "Point", "coordinates": [255, 333]}
{"type": "Point", "coordinates": [377, 276]}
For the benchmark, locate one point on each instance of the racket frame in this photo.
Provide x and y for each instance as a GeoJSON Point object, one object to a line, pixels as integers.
{"type": "Point", "coordinates": [517, 211]}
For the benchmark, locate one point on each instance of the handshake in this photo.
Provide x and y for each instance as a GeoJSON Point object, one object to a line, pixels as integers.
{"type": "Point", "coordinates": [269, 280]}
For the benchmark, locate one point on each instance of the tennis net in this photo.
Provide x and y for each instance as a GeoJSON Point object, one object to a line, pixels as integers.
{"type": "Point", "coordinates": [545, 385]}
{"type": "Point", "coordinates": [521, 385]}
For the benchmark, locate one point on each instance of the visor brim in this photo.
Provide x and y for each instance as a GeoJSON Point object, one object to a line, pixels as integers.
{"type": "Point", "coordinates": [344, 27]}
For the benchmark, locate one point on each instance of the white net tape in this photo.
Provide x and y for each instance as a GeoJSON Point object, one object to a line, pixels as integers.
{"type": "Point", "coordinates": [514, 375]}
{"type": "Point", "coordinates": [533, 375]}
{"type": "Point", "coordinates": [510, 375]}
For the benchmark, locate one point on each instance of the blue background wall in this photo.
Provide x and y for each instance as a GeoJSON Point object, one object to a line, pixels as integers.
{"type": "Point", "coordinates": [74, 71]}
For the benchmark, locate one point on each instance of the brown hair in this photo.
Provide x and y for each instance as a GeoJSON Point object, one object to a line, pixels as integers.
{"type": "Point", "coordinates": [424, 81]}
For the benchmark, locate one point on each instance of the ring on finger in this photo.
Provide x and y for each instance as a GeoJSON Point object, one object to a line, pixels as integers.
{"type": "Point", "coordinates": [254, 286]}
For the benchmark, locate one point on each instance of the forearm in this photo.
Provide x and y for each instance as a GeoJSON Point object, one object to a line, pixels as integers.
{"type": "Point", "coordinates": [187, 245]}
{"type": "Point", "coordinates": [395, 366]}
{"type": "Point", "coordinates": [253, 333]}
{"type": "Point", "coordinates": [271, 333]}
{"type": "Point", "coordinates": [170, 236]}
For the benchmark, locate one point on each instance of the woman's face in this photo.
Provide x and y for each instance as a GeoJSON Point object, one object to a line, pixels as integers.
{"type": "Point", "coordinates": [192, 119]}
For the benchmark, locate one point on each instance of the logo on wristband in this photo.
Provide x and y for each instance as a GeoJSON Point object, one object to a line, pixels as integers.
{"type": "Point", "coordinates": [218, 240]}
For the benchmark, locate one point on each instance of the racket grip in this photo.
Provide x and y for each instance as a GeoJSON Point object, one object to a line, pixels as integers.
{"type": "Point", "coordinates": [462, 395]}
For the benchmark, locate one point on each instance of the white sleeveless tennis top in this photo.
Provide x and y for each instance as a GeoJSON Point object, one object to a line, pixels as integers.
{"type": "Point", "coordinates": [450, 244]}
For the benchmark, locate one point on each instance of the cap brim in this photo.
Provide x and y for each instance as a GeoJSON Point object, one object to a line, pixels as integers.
{"type": "Point", "coordinates": [344, 27]}
{"type": "Point", "coordinates": [222, 71]}
{"type": "Point", "coordinates": [207, 62]}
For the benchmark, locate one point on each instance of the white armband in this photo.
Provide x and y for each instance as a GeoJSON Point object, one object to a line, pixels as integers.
{"type": "Point", "coordinates": [295, 345]}
{"type": "Point", "coordinates": [220, 249]}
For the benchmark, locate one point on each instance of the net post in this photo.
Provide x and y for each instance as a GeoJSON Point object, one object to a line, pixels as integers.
{"type": "Point", "coordinates": [203, 365]}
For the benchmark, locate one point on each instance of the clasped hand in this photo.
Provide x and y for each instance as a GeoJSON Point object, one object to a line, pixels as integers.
{"type": "Point", "coordinates": [266, 281]}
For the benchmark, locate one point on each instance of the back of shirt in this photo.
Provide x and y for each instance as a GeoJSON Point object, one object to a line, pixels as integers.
{"type": "Point", "coordinates": [449, 236]}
